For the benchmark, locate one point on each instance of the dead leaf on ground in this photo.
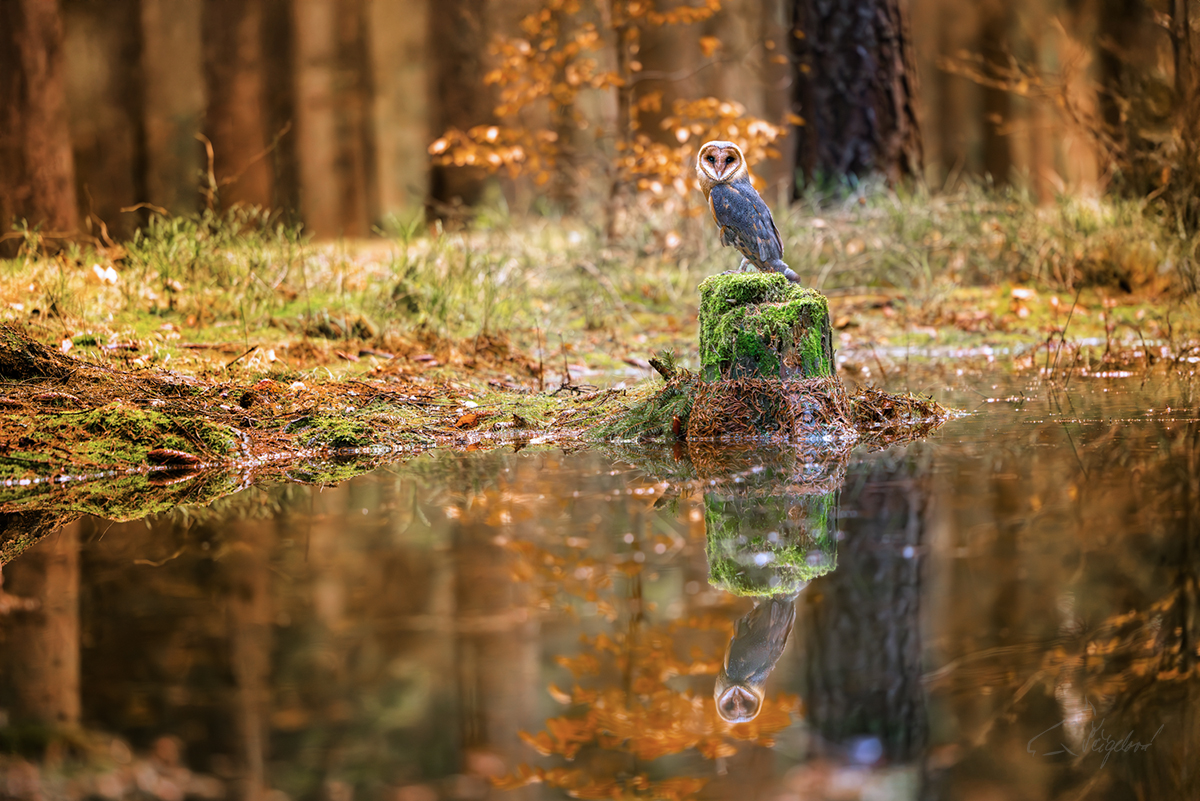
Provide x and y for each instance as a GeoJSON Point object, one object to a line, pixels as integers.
{"type": "Point", "coordinates": [468, 420]}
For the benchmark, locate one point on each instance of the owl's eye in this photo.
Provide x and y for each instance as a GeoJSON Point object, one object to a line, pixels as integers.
{"type": "Point", "coordinates": [711, 159]}
{"type": "Point", "coordinates": [729, 159]}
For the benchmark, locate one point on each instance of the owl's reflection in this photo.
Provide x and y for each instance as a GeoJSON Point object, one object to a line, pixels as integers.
{"type": "Point", "coordinates": [757, 643]}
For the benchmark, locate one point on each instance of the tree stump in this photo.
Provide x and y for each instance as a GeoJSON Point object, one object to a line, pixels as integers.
{"type": "Point", "coordinates": [760, 325]}
{"type": "Point", "coordinates": [765, 545]}
{"type": "Point", "coordinates": [766, 359]}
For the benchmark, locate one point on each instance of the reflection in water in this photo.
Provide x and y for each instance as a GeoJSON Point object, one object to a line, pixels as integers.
{"type": "Point", "coordinates": [989, 615]}
{"type": "Point", "coordinates": [770, 518]}
{"type": "Point", "coordinates": [757, 643]}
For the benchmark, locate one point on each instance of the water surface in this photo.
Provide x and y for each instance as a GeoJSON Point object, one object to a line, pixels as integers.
{"type": "Point", "coordinates": [1005, 610]}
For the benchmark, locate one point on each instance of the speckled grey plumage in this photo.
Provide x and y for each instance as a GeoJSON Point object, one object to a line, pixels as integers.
{"type": "Point", "coordinates": [758, 641]}
{"type": "Point", "coordinates": [746, 224]}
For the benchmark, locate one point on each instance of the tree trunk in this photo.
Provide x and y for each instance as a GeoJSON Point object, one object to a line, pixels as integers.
{"type": "Point", "coordinates": [458, 39]}
{"type": "Point", "coordinates": [173, 74]}
{"type": "Point", "coordinates": [996, 50]}
{"type": "Point", "coordinates": [1185, 42]}
{"type": "Point", "coordinates": [236, 124]}
{"type": "Point", "coordinates": [399, 115]}
{"type": "Point", "coordinates": [855, 88]}
{"type": "Point", "coordinates": [332, 118]}
{"type": "Point", "coordinates": [37, 174]}
{"type": "Point", "coordinates": [41, 648]}
{"type": "Point", "coordinates": [106, 112]}
{"type": "Point", "coordinates": [859, 625]}
{"type": "Point", "coordinates": [249, 615]}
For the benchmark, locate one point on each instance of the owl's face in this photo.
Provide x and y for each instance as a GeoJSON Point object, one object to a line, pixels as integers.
{"type": "Point", "coordinates": [739, 703]}
{"type": "Point", "coordinates": [720, 161]}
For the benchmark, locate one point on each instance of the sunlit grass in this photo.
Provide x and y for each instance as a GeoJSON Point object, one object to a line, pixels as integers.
{"type": "Point", "coordinates": [245, 278]}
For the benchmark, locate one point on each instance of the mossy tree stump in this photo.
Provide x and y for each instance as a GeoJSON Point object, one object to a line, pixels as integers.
{"type": "Point", "coordinates": [760, 325]}
{"type": "Point", "coordinates": [766, 359]}
{"type": "Point", "coordinates": [766, 545]}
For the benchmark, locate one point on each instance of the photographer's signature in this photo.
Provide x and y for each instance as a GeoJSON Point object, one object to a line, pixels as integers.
{"type": "Point", "coordinates": [1097, 741]}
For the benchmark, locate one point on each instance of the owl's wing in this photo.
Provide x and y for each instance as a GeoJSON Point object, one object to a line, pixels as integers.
{"type": "Point", "coordinates": [759, 639]}
{"type": "Point", "coordinates": [739, 209]}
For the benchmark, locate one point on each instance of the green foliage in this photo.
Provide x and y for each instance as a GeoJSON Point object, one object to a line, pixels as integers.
{"type": "Point", "coordinates": [331, 431]}
{"type": "Point", "coordinates": [661, 415]}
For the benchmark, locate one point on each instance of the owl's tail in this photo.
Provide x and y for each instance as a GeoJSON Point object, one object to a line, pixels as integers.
{"type": "Point", "coordinates": [779, 266]}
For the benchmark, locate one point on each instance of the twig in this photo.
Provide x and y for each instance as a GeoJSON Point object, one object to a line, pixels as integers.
{"type": "Point", "coordinates": [541, 367]}
{"type": "Point", "coordinates": [1062, 338]}
{"type": "Point", "coordinates": [206, 345]}
{"type": "Point", "coordinates": [247, 352]}
{"type": "Point", "coordinates": [566, 366]}
{"type": "Point", "coordinates": [879, 363]}
{"type": "Point", "coordinates": [137, 206]}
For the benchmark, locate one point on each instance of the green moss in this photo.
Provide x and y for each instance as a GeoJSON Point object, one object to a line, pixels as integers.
{"type": "Point", "coordinates": [114, 436]}
{"type": "Point", "coordinates": [761, 325]}
{"type": "Point", "coordinates": [774, 545]}
{"type": "Point", "coordinates": [126, 497]}
{"type": "Point", "coordinates": [87, 340]}
{"type": "Point", "coordinates": [332, 431]}
{"type": "Point", "coordinates": [330, 473]}
{"type": "Point", "coordinates": [125, 434]}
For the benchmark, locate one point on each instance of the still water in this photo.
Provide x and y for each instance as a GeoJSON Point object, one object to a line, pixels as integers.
{"type": "Point", "coordinates": [1006, 610]}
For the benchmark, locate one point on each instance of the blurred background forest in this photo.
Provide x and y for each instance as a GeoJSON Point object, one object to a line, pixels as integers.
{"type": "Point", "coordinates": [346, 114]}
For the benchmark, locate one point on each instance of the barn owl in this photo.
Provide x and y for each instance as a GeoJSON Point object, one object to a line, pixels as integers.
{"type": "Point", "coordinates": [758, 642]}
{"type": "Point", "coordinates": [740, 213]}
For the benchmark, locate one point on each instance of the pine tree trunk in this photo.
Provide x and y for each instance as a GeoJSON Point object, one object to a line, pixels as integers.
{"type": "Point", "coordinates": [995, 48]}
{"type": "Point", "coordinates": [40, 650]}
{"type": "Point", "coordinates": [237, 118]}
{"type": "Point", "coordinates": [855, 89]}
{"type": "Point", "coordinates": [859, 625]}
{"type": "Point", "coordinates": [37, 173]}
{"type": "Point", "coordinates": [459, 34]}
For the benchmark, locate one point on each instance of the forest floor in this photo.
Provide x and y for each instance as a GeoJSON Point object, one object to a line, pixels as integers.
{"type": "Point", "coordinates": [238, 344]}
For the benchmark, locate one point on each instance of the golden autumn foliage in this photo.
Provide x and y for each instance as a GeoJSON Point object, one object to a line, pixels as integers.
{"type": "Point", "coordinates": [565, 50]}
{"type": "Point", "coordinates": [645, 716]}
{"type": "Point", "coordinates": [657, 169]}
{"type": "Point", "coordinates": [633, 688]}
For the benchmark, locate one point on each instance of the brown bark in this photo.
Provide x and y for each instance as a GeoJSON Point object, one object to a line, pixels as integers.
{"type": "Point", "coordinates": [458, 41]}
{"type": "Point", "coordinates": [237, 120]}
{"type": "Point", "coordinates": [333, 135]}
{"type": "Point", "coordinates": [37, 175]}
{"type": "Point", "coordinates": [173, 71]}
{"type": "Point", "coordinates": [995, 48]}
{"type": "Point", "coordinates": [859, 626]}
{"type": "Point", "coordinates": [1185, 43]}
{"type": "Point", "coordinates": [105, 90]}
{"type": "Point", "coordinates": [400, 127]}
{"type": "Point", "coordinates": [41, 647]}
{"type": "Point", "coordinates": [855, 87]}
{"type": "Point", "coordinates": [249, 615]}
